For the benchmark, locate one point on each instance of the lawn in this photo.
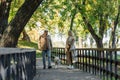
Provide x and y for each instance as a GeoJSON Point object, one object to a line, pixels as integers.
{"type": "Point", "coordinates": [31, 45]}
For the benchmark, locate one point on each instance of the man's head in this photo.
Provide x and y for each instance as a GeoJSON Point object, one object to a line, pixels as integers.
{"type": "Point", "coordinates": [46, 32]}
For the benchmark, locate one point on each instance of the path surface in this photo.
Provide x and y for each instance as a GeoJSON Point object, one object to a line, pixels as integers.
{"type": "Point", "coordinates": [61, 73]}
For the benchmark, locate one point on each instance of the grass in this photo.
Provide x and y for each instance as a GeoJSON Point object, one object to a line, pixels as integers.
{"type": "Point", "coordinates": [31, 45]}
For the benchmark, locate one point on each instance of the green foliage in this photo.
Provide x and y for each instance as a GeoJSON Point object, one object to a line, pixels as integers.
{"type": "Point", "coordinates": [15, 5]}
{"type": "Point", "coordinates": [33, 45]}
{"type": "Point", "coordinates": [57, 14]}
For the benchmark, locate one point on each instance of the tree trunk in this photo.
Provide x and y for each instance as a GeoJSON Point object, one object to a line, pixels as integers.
{"type": "Point", "coordinates": [25, 36]}
{"type": "Point", "coordinates": [114, 29]}
{"type": "Point", "coordinates": [16, 26]}
{"type": "Point", "coordinates": [4, 14]}
{"type": "Point", "coordinates": [98, 39]}
{"type": "Point", "coordinates": [72, 19]}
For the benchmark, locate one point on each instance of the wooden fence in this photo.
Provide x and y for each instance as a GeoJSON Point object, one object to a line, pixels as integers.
{"type": "Point", "coordinates": [17, 64]}
{"type": "Point", "coordinates": [102, 62]}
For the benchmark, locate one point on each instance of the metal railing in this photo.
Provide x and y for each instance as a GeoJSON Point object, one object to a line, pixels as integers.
{"type": "Point", "coordinates": [102, 62]}
{"type": "Point", "coordinates": [17, 64]}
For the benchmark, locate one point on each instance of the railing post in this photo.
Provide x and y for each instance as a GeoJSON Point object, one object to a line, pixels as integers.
{"type": "Point", "coordinates": [115, 65]}
{"type": "Point", "coordinates": [86, 60]}
{"type": "Point", "coordinates": [92, 61]}
{"type": "Point", "coordinates": [107, 65]}
{"type": "Point", "coordinates": [104, 65]}
{"type": "Point", "coordinates": [78, 59]}
{"type": "Point", "coordinates": [96, 56]}
{"type": "Point", "coordinates": [13, 64]}
{"type": "Point", "coordinates": [101, 61]}
{"type": "Point", "coordinates": [64, 57]}
{"type": "Point", "coordinates": [89, 61]}
{"type": "Point", "coordinates": [111, 64]}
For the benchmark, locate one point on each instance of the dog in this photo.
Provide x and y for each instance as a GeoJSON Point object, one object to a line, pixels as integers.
{"type": "Point", "coordinates": [57, 61]}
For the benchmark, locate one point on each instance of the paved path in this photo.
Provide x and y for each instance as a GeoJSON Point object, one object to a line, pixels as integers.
{"type": "Point", "coordinates": [62, 73]}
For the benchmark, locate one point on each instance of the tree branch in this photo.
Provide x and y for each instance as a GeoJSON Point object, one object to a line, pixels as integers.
{"type": "Point", "coordinates": [12, 33]}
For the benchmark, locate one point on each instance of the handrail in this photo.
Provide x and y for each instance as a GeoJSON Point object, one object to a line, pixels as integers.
{"type": "Point", "coordinates": [17, 64]}
{"type": "Point", "coordinates": [103, 62]}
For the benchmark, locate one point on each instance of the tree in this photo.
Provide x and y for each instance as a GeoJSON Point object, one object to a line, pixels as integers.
{"type": "Point", "coordinates": [114, 26]}
{"type": "Point", "coordinates": [15, 27]}
{"type": "Point", "coordinates": [96, 16]}
{"type": "Point", "coordinates": [4, 15]}
{"type": "Point", "coordinates": [25, 36]}
{"type": "Point", "coordinates": [72, 19]}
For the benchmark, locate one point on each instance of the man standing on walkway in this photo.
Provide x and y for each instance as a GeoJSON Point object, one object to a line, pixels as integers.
{"type": "Point", "coordinates": [45, 45]}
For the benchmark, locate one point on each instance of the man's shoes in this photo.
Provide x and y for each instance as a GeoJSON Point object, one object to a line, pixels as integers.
{"type": "Point", "coordinates": [49, 67]}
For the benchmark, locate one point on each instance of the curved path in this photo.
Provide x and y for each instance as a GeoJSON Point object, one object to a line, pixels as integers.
{"type": "Point", "coordinates": [61, 73]}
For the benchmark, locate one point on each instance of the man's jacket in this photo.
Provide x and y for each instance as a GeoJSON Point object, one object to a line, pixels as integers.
{"type": "Point", "coordinates": [45, 43]}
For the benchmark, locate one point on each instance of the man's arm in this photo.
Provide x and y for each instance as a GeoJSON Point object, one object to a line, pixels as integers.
{"type": "Point", "coordinates": [51, 43]}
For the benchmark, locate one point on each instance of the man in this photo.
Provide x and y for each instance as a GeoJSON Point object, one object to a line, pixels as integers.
{"type": "Point", "coordinates": [45, 45]}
